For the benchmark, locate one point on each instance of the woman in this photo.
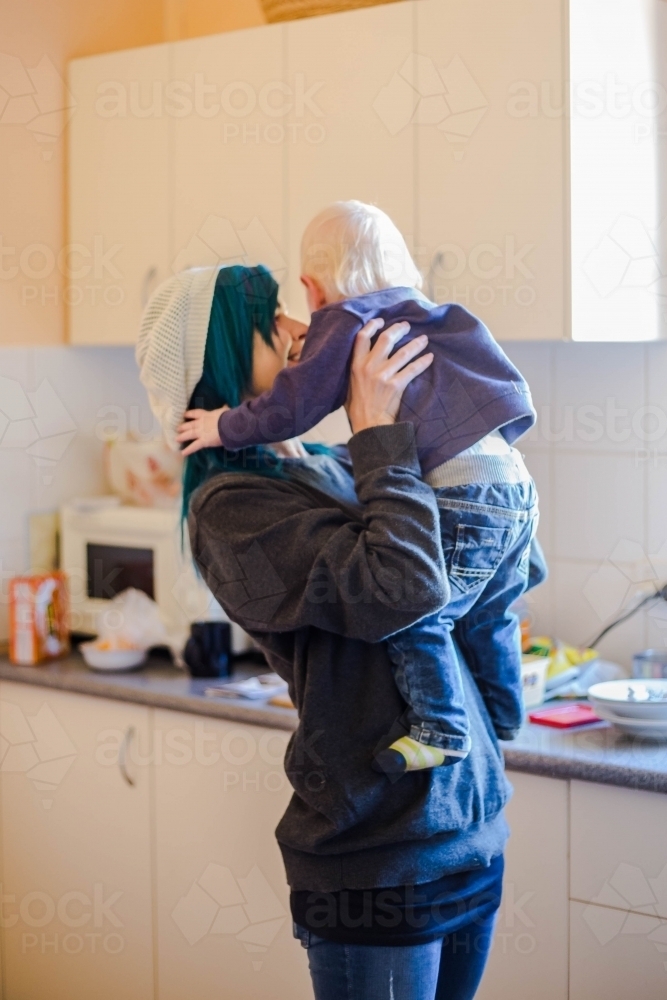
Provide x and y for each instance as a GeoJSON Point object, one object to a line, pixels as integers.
{"type": "Point", "coordinates": [320, 557]}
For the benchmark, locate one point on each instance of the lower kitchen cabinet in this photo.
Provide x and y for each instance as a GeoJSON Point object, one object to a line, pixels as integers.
{"type": "Point", "coordinates": [223, 923]}
{"type": "Point", "coordinates": [616, 955]}
{"type": "Point", "coordinates": [529, 958]}
{"type": "Point", "coordinates": [76, 868]}
{"type": "Point", "coordinates": [619, 848]}
{"type": "Point", "coordinates": [618, 886]}
{"type": "Point", "coordinates": [139, 861]}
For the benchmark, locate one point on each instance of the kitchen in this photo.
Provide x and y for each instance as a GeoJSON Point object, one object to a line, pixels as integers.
{"type": "Point", "coordinates": [140, 142]}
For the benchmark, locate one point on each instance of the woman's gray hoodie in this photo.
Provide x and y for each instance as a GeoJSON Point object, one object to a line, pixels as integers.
{"type": "Point", "coordinates": [320, 578]}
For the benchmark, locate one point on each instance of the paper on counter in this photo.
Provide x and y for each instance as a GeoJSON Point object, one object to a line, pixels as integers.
{"type": "Point", "coordinates": [264, 686]}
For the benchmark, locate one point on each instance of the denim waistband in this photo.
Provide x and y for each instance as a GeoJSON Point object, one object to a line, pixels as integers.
{"type": "Point", "coordinates": [465, 469]}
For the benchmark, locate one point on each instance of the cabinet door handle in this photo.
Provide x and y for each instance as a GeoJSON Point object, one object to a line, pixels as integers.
{"type": "Point", "coordinates": [149, 278]}
{"type": "Point", "coordinates": [122, 755]}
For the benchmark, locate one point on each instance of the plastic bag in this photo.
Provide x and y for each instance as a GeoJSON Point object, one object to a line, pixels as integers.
{"type": "Point", "coordinates": [589, 673]}
{"type": "Point", "coordinates": [132, 621]}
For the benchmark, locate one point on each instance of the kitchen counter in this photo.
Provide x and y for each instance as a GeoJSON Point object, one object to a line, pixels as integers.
{"type": "Point", "coordinates": [591, 753]}
{"type": "Point", "coordinates": [157, 684]}
{"type": "Point", "coordinates": [598, 753]}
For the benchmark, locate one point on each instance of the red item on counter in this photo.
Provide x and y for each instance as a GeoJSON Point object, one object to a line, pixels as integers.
{"type": "Point", "coordinates": [564, 716]}
{"type": "Point", "coordinates": [38, 618]}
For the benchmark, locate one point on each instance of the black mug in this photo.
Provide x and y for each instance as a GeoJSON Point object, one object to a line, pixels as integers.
{"type": "Point", "coordinates": [208, 651]}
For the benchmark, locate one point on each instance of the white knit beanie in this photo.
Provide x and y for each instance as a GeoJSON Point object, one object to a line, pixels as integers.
{"type": "Point", "coordinates": [172, 340]}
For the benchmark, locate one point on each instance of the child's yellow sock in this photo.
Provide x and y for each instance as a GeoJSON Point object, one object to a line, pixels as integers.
{"type": "Point", "coordinates": [407, 754]}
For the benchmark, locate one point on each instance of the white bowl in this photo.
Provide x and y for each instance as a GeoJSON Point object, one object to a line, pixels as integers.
{"type": "Point", "coordinates": [111, 659]}
{"type": "Point", "coordinates": [654, 730]}
{"type": "Point", "coordinates": [632, 699]}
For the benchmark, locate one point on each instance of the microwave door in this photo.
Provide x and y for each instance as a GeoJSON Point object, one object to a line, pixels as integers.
{"type": "Point", "coordinates": [110, 569]}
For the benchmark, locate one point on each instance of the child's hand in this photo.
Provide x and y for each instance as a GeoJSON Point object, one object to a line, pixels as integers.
{"type": "Point", "coordinates": [201, 429]}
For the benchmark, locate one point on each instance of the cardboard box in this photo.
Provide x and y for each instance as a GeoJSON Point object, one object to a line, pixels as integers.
{"type": "Point", "coordinates": [38, 618]}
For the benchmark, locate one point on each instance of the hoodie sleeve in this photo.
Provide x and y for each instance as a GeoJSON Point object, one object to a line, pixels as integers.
{"type": "Point", "coordinates": [303, 394]}
{"type": "Point", "coordinates": [279, 559]}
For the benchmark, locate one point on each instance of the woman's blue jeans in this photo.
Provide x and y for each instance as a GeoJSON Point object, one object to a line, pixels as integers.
{"type": "Point", "coordinates": [446, 969]}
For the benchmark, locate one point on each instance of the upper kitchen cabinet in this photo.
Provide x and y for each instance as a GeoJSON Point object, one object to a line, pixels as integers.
{"type": "Point", "coordinates": [350, 134]}
{"type": "Point", "coordinates": [533, 201]}
{"type": "Point", "coordinates": [619, 121]}
{"type": "Point", "coordinates": [118, 241]}
{"type": "Point", "coordinates": [228, 133]}
{"type": "Point", "coordinates": [487, 81]}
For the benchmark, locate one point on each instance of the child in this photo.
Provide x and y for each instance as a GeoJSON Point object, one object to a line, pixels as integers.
{"type": "Point", "coordinates": [467, 408]}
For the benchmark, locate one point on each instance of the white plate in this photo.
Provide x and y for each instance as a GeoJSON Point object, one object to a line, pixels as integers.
{"type": "Point", "coordinates": [111, 659]}
{"type": "Point", "coordinates": [656, 730]}
{"type": "Point", "coordinates": [631, 698]}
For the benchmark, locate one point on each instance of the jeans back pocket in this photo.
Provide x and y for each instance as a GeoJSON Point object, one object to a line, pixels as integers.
{"type": "Point", "coordinates": [477, 553]}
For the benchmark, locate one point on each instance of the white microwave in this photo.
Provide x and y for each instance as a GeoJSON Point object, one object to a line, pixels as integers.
{"type": "Point", "coordinates": [106, 547]}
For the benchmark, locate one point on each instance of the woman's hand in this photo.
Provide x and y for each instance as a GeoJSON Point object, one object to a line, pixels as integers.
{"type": "Point", "coordinates": [201, 429]}
{"type": "Point", "coordinates": [377, 381]}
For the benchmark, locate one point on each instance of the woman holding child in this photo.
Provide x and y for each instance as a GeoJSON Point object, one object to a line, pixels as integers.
{"type": "Point", "coordinates": [395, 869]}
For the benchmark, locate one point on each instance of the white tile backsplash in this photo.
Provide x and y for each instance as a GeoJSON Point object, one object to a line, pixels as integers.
{"type": "Point", "coordinates": [656, 627]}
{"type": "Point", "coordinates": [595, 495]}
{"type": "Point", "coordinates": [539, 465]}
{"type": "Point", "coordinates": [13, 556]}
{"type": "Point", "coordinates": [534, 361]}
{"type": "Point", "coordinates": [18, 478]}
{"type": "Point", "coordinates": [656, 508]}
{"type": "Point", "coordinates": [597, 503]}
{"type": "Point", "coordinates": [598, 396]}
{"type": "Point", "coordinates": [577, 608]}
{"type": "Point", "coordinates": [603, 502]}
{"type": "Point", "coordinates": [656, 399]}
{"type": "Point", "coordinates": [14, 364]}
{"type": "Point", "coordinates": [540, 603]}
{"type": "Point", "coordinates": [58, 443]}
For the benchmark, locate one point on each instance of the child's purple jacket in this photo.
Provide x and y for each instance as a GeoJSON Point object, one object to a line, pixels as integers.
{"type": "Point", "coordinates": [470, 389]}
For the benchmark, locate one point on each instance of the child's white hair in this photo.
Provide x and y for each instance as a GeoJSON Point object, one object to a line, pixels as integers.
{"type": "Point", "coordinates": [351, 249]}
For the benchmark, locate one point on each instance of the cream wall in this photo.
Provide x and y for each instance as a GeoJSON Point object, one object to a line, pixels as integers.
{"type": "Point", "coordinates": [46, 34]}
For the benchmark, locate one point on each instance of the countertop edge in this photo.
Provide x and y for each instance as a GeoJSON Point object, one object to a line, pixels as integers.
{"type": "Point", "coordinates": [555, 764]}
{"type": "Point", "coordinates": [571, 769]}
{"type": "Point", "coordinates": [232, 711]}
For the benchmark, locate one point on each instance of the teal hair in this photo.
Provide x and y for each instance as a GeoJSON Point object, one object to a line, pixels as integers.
{"type": "Point", "coordinates": [245, 299]}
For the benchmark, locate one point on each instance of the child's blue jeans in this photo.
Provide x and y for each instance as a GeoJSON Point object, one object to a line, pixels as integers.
{"type": "Point", "coordinates": [486, 535]}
